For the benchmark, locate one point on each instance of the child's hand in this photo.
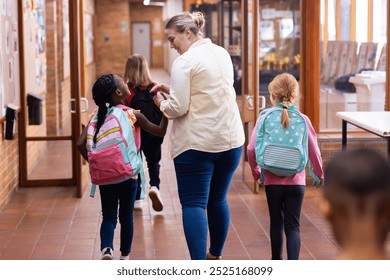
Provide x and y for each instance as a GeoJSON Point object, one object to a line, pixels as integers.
{"type": "Point", "coordinates": [320, 184]}
{"type": "Point", "coordinates": [160, 87]}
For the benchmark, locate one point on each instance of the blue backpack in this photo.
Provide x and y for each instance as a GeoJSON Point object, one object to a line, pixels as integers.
{"type": "Point", "coordinates": [282, 151]}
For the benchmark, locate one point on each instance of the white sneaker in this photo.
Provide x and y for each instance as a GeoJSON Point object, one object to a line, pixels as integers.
{"type": "Point", "coordinates": [107, 253]}
{"type": "Point", "coordinates": [138, 204]}
{"type": "Point", "coordinates": [122, 257]}
{"type": "Point", "coordinates": [155, 196]}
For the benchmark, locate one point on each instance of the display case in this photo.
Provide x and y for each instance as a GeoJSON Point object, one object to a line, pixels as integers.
{"type": "Point", "coordinates": [223, 27]}
{"type": "Point", "coordinates": [231, 37]}
{"type": "Point", "coordinates": [279, 40]}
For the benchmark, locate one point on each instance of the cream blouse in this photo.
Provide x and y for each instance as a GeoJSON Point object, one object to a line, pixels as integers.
{"type": "Point", "coordinates": [202, 101]}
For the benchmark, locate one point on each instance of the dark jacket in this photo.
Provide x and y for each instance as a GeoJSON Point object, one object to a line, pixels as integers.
{"type": "Point", "coordinates": [142, 99]}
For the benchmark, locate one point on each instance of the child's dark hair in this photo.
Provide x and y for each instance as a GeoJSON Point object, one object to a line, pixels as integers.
{"type": "Point", "coordinates": [358, 178]}
{"type": "Point", "coordinates": [102, 91]}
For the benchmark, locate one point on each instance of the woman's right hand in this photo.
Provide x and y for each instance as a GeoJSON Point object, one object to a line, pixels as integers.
{"type": "Point", "coordinates": [160, 87]}
{"type": "Point", "coordinates": [158, 98]}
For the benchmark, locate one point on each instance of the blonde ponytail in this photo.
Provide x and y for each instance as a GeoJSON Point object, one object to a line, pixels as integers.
{"type": "Point", "coordinates": [285, 117]}
{"type": "Point", "coordinates": [284, 87]}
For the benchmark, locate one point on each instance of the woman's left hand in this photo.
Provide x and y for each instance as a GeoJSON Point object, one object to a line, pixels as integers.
{"type": "Point", "coordinates": [160, 87]}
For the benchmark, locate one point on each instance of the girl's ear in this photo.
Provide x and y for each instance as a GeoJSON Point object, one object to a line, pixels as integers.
{"type": "Point", "coordinates": [118, 92]}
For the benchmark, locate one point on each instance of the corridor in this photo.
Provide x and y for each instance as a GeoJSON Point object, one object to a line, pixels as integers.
{"type": "Point", "coordinates": [48, 223]}
{"type": "Point", "coordinates": [52, 52]}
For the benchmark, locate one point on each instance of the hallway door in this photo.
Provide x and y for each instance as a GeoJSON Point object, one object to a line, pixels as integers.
{"type": "Point", "coordinates": [50, 122]}
{"type": "Point", "coordinates": [141, 39]}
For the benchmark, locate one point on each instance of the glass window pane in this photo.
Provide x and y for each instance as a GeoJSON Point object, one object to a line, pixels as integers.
{"type": "Point", "coordinates": [332, 20]}
{"type": "Point", "coordinates": [361, 20]}
{"type": "Point", "coordinates": [279, 39]}
{"type": "Point", "coordinates": [55, 156]}
{"type": "Point", "coordinates": [352, 72]}
{"type": "Point", "coordinates": [345, 20]}
{"type": "Point", "coordinates": [48, 117]}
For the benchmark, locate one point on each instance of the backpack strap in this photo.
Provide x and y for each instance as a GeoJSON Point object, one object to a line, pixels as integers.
{"type": "Point", "coordinates": [262, 176]}
{"type": "Point", "coordinates": [142, 177]}
{"type": "Point", "coordinates": [317, 181]}
{"type": "Point", "coordinates": [93, 191]}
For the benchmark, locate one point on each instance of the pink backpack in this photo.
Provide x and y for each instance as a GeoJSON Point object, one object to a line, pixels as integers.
{"type": "Point", "coordinates": [114, 157]}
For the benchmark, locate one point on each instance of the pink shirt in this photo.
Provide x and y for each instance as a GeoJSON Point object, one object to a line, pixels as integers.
{"type": "Point", "coordinates": [297, 179]}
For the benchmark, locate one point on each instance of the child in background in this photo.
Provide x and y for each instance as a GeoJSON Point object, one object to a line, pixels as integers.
{"type": "Point", "coordinates": [110, 90]}
{"type": "Point", "coordinates": [138, 79]}
{"type": "Point", "coordinates": [356, 202]}
{"type": "Point", "coordinates": [285, 194]}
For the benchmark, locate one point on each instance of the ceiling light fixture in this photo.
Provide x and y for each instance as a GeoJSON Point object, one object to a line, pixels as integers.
{"type": "Point", "coordinates": [153, 3]}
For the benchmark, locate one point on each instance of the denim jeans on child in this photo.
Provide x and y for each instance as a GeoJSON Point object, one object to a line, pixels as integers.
{"type": "Point", "coordinates": [203, 181]}
{"type": "Point", "coordinates": [112, 195]}
{"type": "Point", "coordinates": [284, 205]}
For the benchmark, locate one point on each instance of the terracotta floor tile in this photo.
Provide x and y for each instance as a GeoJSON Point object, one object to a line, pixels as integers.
{"type": "Point", "coordinates": [48, 251]}
{"type": "Point", "coordinates": [17, 253]}
{"type": "Point", "coordinates": [76, 255]}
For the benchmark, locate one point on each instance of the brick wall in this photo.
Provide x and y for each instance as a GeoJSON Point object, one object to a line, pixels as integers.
{"type": "Point", "coordinates": [9, 166]}
{"type": "Point", "coordinates": [331, 144]}
{"type": "Point", "coordinates": [112, 40]}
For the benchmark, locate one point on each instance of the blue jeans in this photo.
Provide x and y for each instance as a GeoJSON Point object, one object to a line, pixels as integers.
{"type": "Point", "coordinates": [203, 181]}
{"type": "Point", "coordinates": [284, 205]}
{"type": "Point", "coordinates": [112, 195]}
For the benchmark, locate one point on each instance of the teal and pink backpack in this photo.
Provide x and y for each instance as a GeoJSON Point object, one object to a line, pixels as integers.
{"type": "Point", "coordinates": [114, 157]}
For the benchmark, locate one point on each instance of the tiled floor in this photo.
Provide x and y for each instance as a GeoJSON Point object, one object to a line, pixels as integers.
{"type": "Point", "coordinates": [50, 223]}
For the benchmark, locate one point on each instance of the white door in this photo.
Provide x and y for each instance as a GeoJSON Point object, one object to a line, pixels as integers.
{"type": "Point", "coordinates": [141, 39]}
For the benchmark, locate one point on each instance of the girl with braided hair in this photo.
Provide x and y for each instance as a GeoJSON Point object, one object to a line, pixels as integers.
{"type": "Point", "coordinates": [110, 90]}
{"type": "Point", "coordinates": [285, 194]}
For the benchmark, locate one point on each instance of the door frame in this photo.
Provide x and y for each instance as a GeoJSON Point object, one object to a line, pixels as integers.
{"type": "Point", "coordinates": [75, 6]}
{"type": "Point", "coordinates": [250, 81]}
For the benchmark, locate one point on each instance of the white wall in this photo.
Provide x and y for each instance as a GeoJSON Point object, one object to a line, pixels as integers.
{"type": "Point", "coordinates": [171, 8]}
